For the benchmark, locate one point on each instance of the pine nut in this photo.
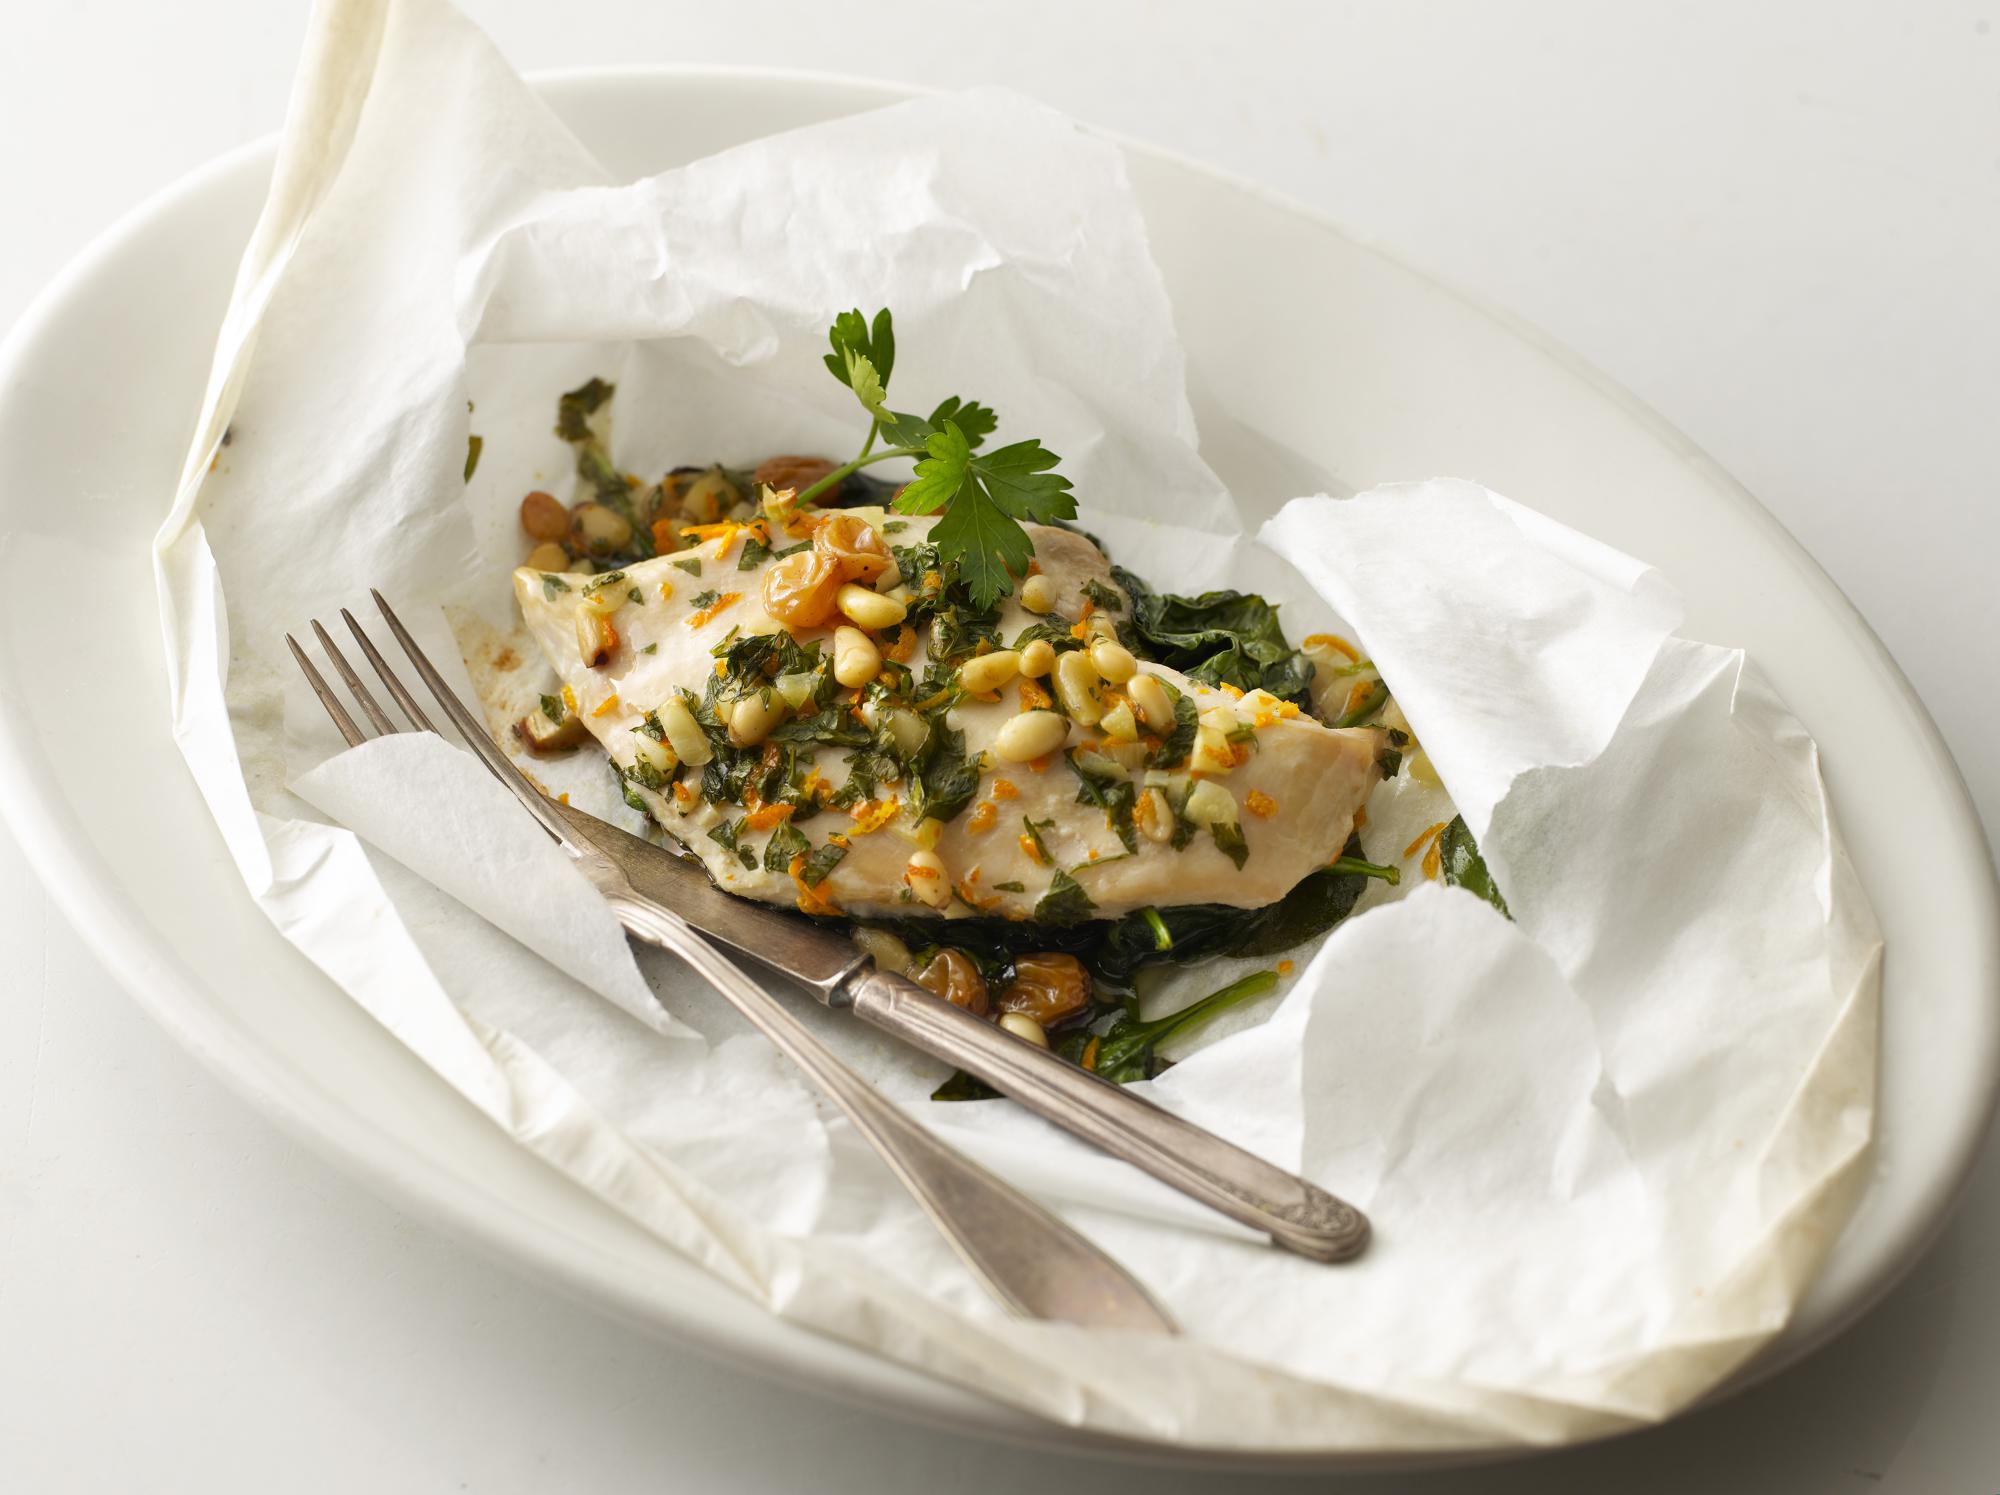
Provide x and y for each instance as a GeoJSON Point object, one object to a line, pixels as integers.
{"type": "Point", "coordinates": [869, 609]}
{"type": "Point", "coordinates": [1113, 660]}
{"type": "Point", "coordinates": [754, 718]}
{"type": "Point", "coordinates": [1038, 658]}
{"type": "Point", "coordinates": [1149, 697]}
{"type": "Point", "coordinates": [1038, 594]}
{"type": "Point", "coordinates": [1030, 735]}
{"type": "Point", "coordinates": [602, 530]}
{"type": "Point", "coordinates": [984, 673]}
{"type": "Point", "coordinates": [1076, 683]}
{"type": "Point", "coordinates": [595, 637]}
{"type": "Point", "coordinates": [1154, 815]}
{"type": "Point", "coordinates": [1023, 1026]}
{"type": "Point", "coordinates": [926, 879]}
{"type": "Point", "coordinates": [855, 657]}
{"type": "Point", "coordinates": [547, 557]}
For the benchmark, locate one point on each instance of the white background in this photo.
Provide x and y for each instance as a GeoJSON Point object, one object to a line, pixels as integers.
{"type": "Point", "coordinates": [1778, 224]}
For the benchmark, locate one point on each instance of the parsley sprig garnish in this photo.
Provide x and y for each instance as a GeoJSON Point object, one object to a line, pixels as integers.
{"type": "Point", "coordinates": [982, 498]}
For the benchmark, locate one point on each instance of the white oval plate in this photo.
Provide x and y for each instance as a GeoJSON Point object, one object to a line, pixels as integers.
{"type": "Point", "coordinates": [1316, 362]}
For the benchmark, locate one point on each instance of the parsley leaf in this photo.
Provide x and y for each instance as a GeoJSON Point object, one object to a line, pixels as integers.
{"type": "Point", "coordinates": [786, 842]}
{"type": "Point", "coordinates": [863, 357]}
{"type": "Point", "coordinates": [984, 499]}
{"type": "Point", "coordinates": [1065, 902]}
{"type": "Point", "coordinates": [820, 862]}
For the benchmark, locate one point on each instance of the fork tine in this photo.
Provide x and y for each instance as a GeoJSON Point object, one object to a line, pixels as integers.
{"type": "Point", "coordinates": [390, 678]}
{"type": "Point", "coordinates": [375, 713]}
{"type": "Point", "coordinates": [470, 729]}
{"type": "Point", "coordinates": [354, 735]}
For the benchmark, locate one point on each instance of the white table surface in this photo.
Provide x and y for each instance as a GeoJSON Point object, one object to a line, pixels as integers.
{"type": "Point", "coordinates": [1779, 225]}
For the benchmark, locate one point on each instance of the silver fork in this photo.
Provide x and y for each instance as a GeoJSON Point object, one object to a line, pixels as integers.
{"type": "Point", "coordinates": [1028, 1259]}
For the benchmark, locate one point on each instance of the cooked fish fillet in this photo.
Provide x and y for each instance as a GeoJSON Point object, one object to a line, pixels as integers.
{"type": "Point", "coordinates": [1295, 784]}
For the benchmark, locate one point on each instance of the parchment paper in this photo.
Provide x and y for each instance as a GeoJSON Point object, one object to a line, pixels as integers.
{"type": "Point", "coordinates": [1605, 1144]}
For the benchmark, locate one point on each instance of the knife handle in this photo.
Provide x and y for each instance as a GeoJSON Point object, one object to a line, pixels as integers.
{"type": "Point", "coordinates": [1296, 1214]}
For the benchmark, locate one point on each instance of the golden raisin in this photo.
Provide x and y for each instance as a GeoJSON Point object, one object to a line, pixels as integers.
{"type": "Point", "coordinates": [797, 474]}
{"type": "Point", "coordinates": [1047, 988]}
{"type": "Point", "coordinates": [953, 976]}
{"type": "Point", "coordinates": [853, 543]}
{"type": "Point", "coordinates": [544, 517]}
{"type": "Point", "coordinates": [799, 591]}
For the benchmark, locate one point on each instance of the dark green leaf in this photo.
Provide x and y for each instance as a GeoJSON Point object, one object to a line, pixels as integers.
{"type": "Point", "coordinates": [962, 1086]}
{"type": "Point", "coordinates": [1464, 867]}
{"type": "Point", "coordinates": [726, 835]}
{"type": "Point", "coordinates": [1179, 743]}
{"type": "Point", "coordinates": [1229, 841]}
{"type": "Point", "coordinates": [786, 842]}
{"type": "Point", "coordinates": [1218, 638]}
{"type": "Point", "coordinates": [819, 862]}
{"type": "Point", "coordinates": [1065, 902]}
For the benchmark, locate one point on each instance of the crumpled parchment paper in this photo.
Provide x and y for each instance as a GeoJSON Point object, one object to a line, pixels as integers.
{"type": "Point", "coordinates": [1604, 1144]}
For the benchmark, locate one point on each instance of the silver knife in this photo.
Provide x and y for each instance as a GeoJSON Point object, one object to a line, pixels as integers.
{"type": "Point", "coordinates": [1296, 1214]}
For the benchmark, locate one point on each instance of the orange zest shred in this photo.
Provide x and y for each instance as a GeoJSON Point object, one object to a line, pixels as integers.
{"type": "Point", "coordinates": [873, 815]}
{"type": "Point", "coordinates": [904, 647]}
{"type": "Point", "coordinates": [563, 798]}
{"type": "Point", "coordinates": [1260, 804]}
{"type": "Point", "coordinates": [1361, 818]}
{"type": "Point", "coordinates": [765, 817]}
{"type": "Point", "coordinates": [1428, 836]}
{"type": "Point", "coordinates": [1357, 695]}
{"type": "Point", "coordinates": [982, 818]}
{"type": "Point", "coordinates": [811, 900]}
{"type": "Point", "coordinates": [1031, 851]}
{"type": "Point", "coordinates": [664, 539]}
{"type": "Point", "coordinates": [666, 591]}
{"type": "Point", "coordinates": [917, 869]}
{"type": "Point", "coordinates": [605, 707]}
{"type": "Point", "coordinates": [1331, 641]}
{"type": "Point", "coordinates": [1041, 764]}
{"type": "Point", "coordinates": [1433, 861]}
{"type": "Point", "coordinates": [1004, 789]}
{"type": "Point", "coordinates": [683, 795]}
{"type": "Point", "coordinates": [1081, 630]}
{"type": "Point", "coordinates": [1033, 697]}
{"type": "Point", "coordinates": [1089, 1060]}
{"type": "Point", "coordinates": [726, 600]}
{"type": "Point", "coordinates": [1284, 968]}
{"type": "Point", "coordinates": [1234, 692]}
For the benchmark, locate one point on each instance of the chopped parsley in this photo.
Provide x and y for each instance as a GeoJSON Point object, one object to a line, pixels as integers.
{"type": "Point", "coordinates": [1065, 902]}
{"type": "Point", "coordinates": [690, 564]}
{"type": "Point", "coordinates": [820, 862]}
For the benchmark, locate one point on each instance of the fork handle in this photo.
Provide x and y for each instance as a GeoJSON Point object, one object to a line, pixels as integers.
{"type": "Point", "coordinates": [1296, 1214]}
{"type": "Point", "coordinates": [1030, 1260]}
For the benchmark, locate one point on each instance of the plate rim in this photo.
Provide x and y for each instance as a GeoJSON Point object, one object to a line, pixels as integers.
{"type": "Point", "coordinates": [175, 997]}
